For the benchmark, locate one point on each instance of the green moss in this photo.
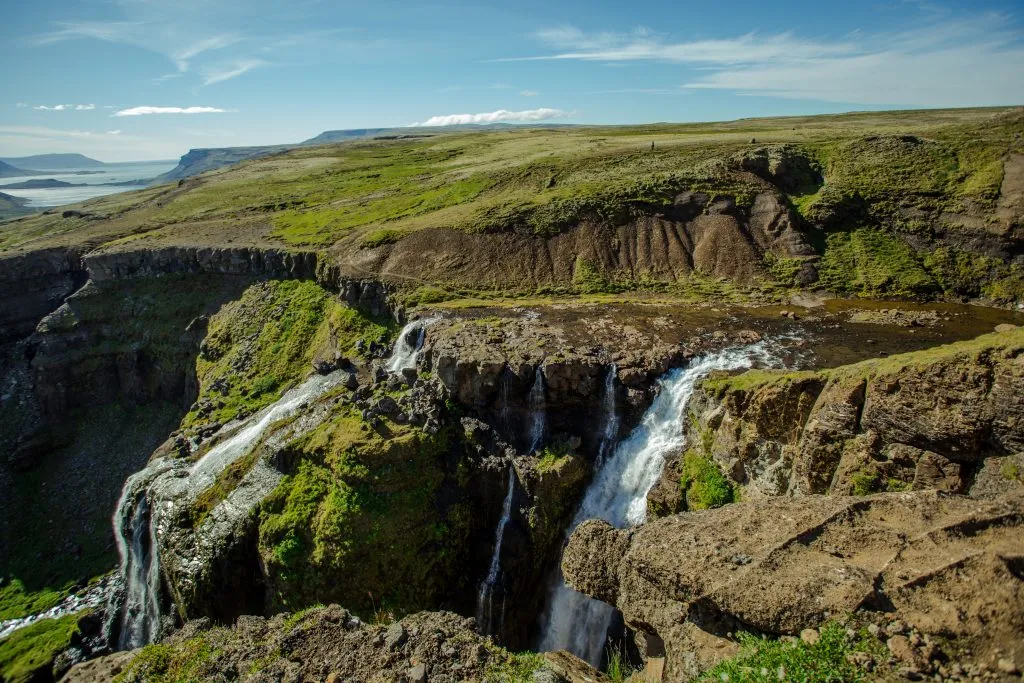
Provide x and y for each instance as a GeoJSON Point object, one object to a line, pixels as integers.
{"type": "Point", "coordinates": [365, 506]}
{"type": "Point", "coordinates": [1010, 471]}
{"type": "Point", "coordinates": [551, 457]}
{"type": "Point", "coordinates": [184, 662]}
{"type": "Point", "coordinates": [871, 262]}
{"type": "Point", "coordinates": [508, 667]}
{"type": "Point", "coordinates": [703, 484]}
{"type": "Point", "coordinates": [586, 279]}
{"type": "Point", "coordinates": [765, 660]}
{"type": "Point", "coordinates": [17, 602]}
{"type": "Point", "coordinates": [379, 238]}
{"type": "Point", "coordinates": [783, 270]}
{"type": "Point", "coordinates": [32, 649]}
{"type": "Point", "coordinates": [261, 345]}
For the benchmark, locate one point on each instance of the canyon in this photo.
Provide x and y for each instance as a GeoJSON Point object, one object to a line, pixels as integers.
{"type": "Point", "coordinates": [499, 438]}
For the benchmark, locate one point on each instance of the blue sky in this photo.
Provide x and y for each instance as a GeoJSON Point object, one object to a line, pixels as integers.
{"type": "Point", "coordinates": [148, 79]}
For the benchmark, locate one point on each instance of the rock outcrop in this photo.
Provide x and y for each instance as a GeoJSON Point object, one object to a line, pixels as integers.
{"type": "Point", "coordinates": [330, 644]}
{"type": "Point", "coordinates": [924, 420]}
{"type": "Point", "coordinates": [946, 565]}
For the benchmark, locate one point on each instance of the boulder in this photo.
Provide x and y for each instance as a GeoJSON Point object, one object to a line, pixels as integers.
{"type": "Point", "coordinates": [943, 564]}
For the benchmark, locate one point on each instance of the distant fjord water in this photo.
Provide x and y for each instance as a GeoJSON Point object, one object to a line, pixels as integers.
{"type": "Point", "coordinates": [94, 183]}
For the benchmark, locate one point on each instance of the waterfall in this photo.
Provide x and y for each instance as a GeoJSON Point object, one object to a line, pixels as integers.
{"type": "Point", "coordinates": [618, 494]}
{"type": "Point", "coordinates": [610, 418]}
{"type": "Point", "coordinates": [485, 618]}
{"type": "Point", "coordinates": [538, 411]}
{"type": "Point", "coordinates": [408, 345]}
{"type": "Point", "coordinates": [135, 606]}
{"type": "Point", "coordinates": [140, 571]}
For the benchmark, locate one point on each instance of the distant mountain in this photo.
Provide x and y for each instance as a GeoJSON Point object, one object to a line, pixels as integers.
{"type": "Point", "coordinates": [13, 206]}
{"type": "Point", "coordinates": [329, 136]}
{"type": "Point", "coordinates": [207, 159]}
{"type": "Point", "coordinates": [53, 162]}
{"type": "Point", "coordinates": [198, 161]}
{"type": "Point", "coordinates": [9, 171]}
{"type": "Point", "coordinates": [40, 184]}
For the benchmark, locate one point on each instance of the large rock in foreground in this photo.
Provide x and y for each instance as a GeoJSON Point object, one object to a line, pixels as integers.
{"type": "Point", "coordinates": [948, 566]}
{"type": "Point", "coordinates": [329, 644]}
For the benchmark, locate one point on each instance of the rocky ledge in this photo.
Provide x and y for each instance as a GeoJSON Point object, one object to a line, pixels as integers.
{"type": "Point", "coordinates": [938, 577]}
{"type": "Point", "coordinates": [945, 418]}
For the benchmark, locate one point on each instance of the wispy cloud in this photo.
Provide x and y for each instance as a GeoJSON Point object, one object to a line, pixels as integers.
{"type": "Point", "coordinates": [110, 31]}
{"type": "Point", "coordinates": [502, 115]}
{"type": "Point", "coordinates": [146, 111]}
{"type": "Point", "coordinates": [643, 44]}
{"type": "Point", "coordinates": [114, 132]}
{"type": "Point", "coordinates": [528, 93]}
{"type": "Point", "coordinates": [62, 107]}
{"type": "Point", "coordinates": [233, 70]}
{"type": "Point", "coordinates": [181, 57]}
{"type": "Point", "coordinates": [21, 105]}
{"type": "Point", "coordinates": [160, 31]}
{"type": "Point", "coordinates": [971, 61]}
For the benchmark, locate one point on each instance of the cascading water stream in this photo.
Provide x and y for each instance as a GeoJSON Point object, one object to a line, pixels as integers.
{"type": "Point", "coordinates": [538, 411]}
{"type": "Point", "coordinates": [485, 617]}
{"type": "Point", "coordinates": [610, 418]}
{"type": "Point", "coordinates": [408, 345]}
{"type": "Point", "coordinates": [136, 605]}
{"type": "Point", "coordinates": [618, 493]}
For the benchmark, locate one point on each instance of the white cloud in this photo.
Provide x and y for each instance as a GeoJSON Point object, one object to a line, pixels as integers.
{"type": "Point", "coordinates": [21, 105]}
{"type": "Point", "coordinates": [146, 110]}
{"type": "Point", "coordinates": [501, 115]}
{"type": "Point", "coordinates": [223, 73]}
{"type": "Point", "coordinates": [528, 93]}
{"type": "Point", "coordinates": [114, 132]}
{"type": "Point", "coordinates": [61, 107]}
{"type": "Point", "coordinates": [970, 61]}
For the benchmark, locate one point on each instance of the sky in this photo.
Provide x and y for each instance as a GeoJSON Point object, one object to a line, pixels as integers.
{"type": "Point", "coordinates": [126, 80]}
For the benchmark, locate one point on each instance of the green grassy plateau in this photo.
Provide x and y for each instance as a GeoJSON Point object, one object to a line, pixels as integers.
{"type": "Point", "coordinates": [894, 202]}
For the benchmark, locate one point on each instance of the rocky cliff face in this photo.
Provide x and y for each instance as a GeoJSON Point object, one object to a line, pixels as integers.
{"type": "Point", "coordinates": [695, 235]}
{"type": "Point", "coordinates": [926, 420]}
{"type": "Point", "coordinates": [944, 567]}
{"type": "Point", "coordinates": [34, 284]}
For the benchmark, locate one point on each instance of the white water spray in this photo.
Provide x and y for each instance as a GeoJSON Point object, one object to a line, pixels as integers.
{"type": "Point", "coordinates": [485, 617]}
{"type": "Point", "coordinates": [408, 345]}
{"type": "Point", "coordinates": [137, 605]}
{"type": "Point", "coordinates": [538, 411]}
{"type": "Point", "coordinates": [618, 494]}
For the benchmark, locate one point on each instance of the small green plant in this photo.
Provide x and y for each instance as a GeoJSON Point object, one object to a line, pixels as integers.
{"type": "Point", "coordinates": [762, 660]}
{"type": "Point", "coordinates": [511, 667]}
{"type": "Point", "coordinates": [702, 483]}
{"type": "Point", "coordinates": [869, 479]}
{"type": "Point", "coordinates": [551, 456]}
{"type": "Point", "coordinates": [619, 669]}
